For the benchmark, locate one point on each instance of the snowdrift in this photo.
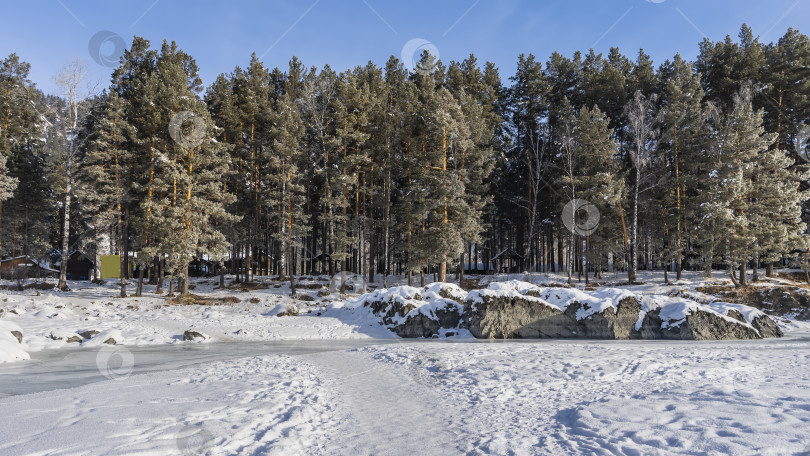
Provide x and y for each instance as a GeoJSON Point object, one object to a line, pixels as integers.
{"type": "Point", "coordinates": [10, 342]}
{"type": "Point", "coordinates": [515, 309]}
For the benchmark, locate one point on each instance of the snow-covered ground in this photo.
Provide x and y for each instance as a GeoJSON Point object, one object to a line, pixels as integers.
{"type": "Point", "coordinates": [455, 396]}
{"type": "Point", "coordinates": [440, 398]}
{"type": "Point", "coordinates": [48, 319]}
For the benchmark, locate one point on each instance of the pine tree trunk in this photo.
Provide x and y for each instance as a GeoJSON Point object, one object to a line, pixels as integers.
{"type": "Point", "coordinates": [733, 276]}
{"type": "Point", "coordinates": [743, 274]}
{"type": "Point", "coordinates": [443, 271]}
{"type": "Point", "coordinates": [122, 263]}
{"type": "Point", "coordinates": [123, 278]}
{"type": "Point", "coordinates": [292, 273]}
{"type": "Point", "coordinates": [139, 288]}
{"type": "Point", "coordinates": [222, 277]}
{"type": "Point", "coordinates": [769, 269]}
{"type": "Point", "coordinates": [185, 281]}
{"type": "Point", "coordinates": [461, 269]}
{"type": "Point", "coordinates": [159, 275]}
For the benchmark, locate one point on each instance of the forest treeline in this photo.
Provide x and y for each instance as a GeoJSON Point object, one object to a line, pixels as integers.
{"type": "Point", "coordinates": [580, 164]}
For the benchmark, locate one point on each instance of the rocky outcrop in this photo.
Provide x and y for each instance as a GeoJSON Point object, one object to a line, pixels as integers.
{"type": "Point", "coordinates": [17, 335]}
{"type": "Point", "coordinates": [699, 325]}
{"type": "Point", "coordinates": [612, 323]}
{"type": "Point", "coordinates": [518, 310]}
{"type": "Point", "coordinates": [427, 325]}
{"type": "Point", "coordinates": [510, 317]}
{"type": "Point", "coordinates": [766, 326]}
{"type": "Point", "coordinates": [528, 317]}
{"type": "Point", "coordinates": [417, 312]}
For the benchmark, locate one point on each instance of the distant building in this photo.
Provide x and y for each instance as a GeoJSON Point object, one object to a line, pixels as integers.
{"type": "Point", "coordinates": [25, 266]}
{"type": "Point", "coordinates": [79, 266]}
{"type": "Point", "coordinates": [508, 261]}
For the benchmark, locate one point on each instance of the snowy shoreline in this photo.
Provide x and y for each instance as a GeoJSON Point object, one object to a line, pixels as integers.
{"type": "Point", "coordinates": [91, 314]}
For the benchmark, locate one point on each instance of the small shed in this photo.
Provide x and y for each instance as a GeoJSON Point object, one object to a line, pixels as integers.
{"type": "Point", "coordinates": [25, 266]}
{"type": "Point", "coordinates": [201, 268]}
{"type": "Point", "coordinates": [508, 260]}
{"type": "Point", "coordinates": [79, 266]}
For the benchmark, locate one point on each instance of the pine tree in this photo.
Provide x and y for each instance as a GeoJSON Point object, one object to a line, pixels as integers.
{"type": "Point", "coordinates": [725, 66]}
{"type": "Point", "coordinates": [104, 176]}
{"type": "Point", "coordinates": [184, 198]}
{"type": "Point", "coordinates": [222, 106]}
{"type": "Point", "coordinates": [529, 155]}
{"type": "Point", "coordinates": [477, 97]}
{"type": "Point", "coordinates": [286, 194]}
{"type": "Point", "coordinates": [18, 129]}
{"type": "Point", "coordinates": [787, 84]}
{"type": "Point", "coordinates": [136, 82]}
{"type": "Point", "coordinates": [438, 173]}
{"type": "Point", "coordinates": [741, 215]}
{"type": "Point", "coordinates": [320, 103]}
{"type": "Point", "coordinates": [398, 91]}
{"type": "Point", "coordinates": [352, 161]}
{"type": "Point", "coordinates": [252, 94]}
{"type": "Point", "coordinates": [680, 145]}
{"type": "Point", "coordinates": [598, 181]}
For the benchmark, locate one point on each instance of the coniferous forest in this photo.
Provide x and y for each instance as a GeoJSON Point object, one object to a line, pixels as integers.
{"type": "Point", "coordinates": [585, 163]}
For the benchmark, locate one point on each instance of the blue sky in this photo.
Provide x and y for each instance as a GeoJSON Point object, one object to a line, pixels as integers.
{"type": "Point", "coordinates": [345, 33]}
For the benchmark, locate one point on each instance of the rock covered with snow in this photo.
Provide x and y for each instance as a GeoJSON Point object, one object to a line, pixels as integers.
{"type": "Point", "coordinates": [516, 309]}
{"type": "Point", "coordinates": [191, 335]}
{"type": "Point", "coordinates": [100, 338]}
{"type": "Point", "coordinates": [415, 312]}
{"type": "Point", "coordinates": [513, 309]}
{"type": "Point", "coordinates": [677, 318]}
